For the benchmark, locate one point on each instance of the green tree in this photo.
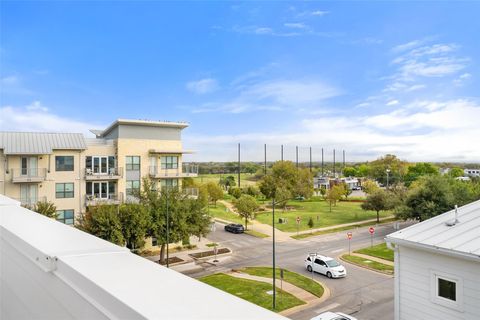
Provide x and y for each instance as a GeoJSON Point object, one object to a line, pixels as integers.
{"type": "Point", "coordinates": [235, 192]}
{"type": "Point", "coordinates": [246, 206]}
{"type": "Point", "coordinates": [350, 172]}
{"type": "Point", "coordinates": [377, 201]}
{"type": "Point", "coordinates": [363, 170]}
{"type": "Point", "coordinates": [251, 190]}
{"type": "Point", "coordinates": [228, 182]}
{"type": "Point", "coordinates": [103, 221]}
{"type": "Point", "coordinates": [369, 186]}
{"type": "Point", "coordinates": [420, 169]}
{"type": "Point", "coordinates": [303, 184]}
{"type": "Point", "coordinates": [456, 172]}
{"type": "Point", "coordinates": [310, 223]}
{"type": "Point", "coordinates": [134, 221]}
{"type": "Point", "coordinates": [346, 191]}
{"type": "Point", "coordinates": [323, 192]}
{"type": "Point", "coordinates": [46, 208]}
{"type": "Point", "coordinates": [397, 167]}
{"type": "Point", "coordinates": [334, 194]}
{"type": "Point", "coordinates": [215, 192]}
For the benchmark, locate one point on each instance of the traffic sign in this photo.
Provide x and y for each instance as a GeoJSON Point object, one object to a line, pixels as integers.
{"type": "Point", "coordinates": [371, 230]}
{"type": "Point", "coordinates": [298, 219]}
{"type": "Point", "coordinates": [349, 235]}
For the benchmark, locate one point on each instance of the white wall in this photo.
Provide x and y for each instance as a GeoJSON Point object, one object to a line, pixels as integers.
{"type": "Point", "coordinates": [413, 269]}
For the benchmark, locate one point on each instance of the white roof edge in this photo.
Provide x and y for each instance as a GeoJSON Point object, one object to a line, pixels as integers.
{"type": "Point", "coordinates": [148, 123]}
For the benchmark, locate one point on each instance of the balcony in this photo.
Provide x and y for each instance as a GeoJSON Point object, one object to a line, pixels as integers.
{"type": "Point", "coordinates": [100, 199]}
{"type": "Point", "coordinates": [190, 192]}
{"type": "Point", "coordinates": [184, 172]}
{"type": "Point", "coordinates": [30, 202]}
{"type": "Point", "coordinates": [29, 175]}
{"type": "Point", "coordinates": [111, 174]}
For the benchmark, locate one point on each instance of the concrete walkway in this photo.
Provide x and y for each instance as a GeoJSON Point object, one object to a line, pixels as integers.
{"type": "Point", "coordinates": [301, 294]}
{"type": "Point", "coordinates": [366, 256]}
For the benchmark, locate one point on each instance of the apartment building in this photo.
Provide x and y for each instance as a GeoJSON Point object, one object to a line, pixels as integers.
{"type": "Point", "coordinates": [75, 172]}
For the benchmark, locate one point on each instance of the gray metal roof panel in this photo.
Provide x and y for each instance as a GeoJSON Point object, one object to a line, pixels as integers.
{"type": "Point", "coordinates": [40, 142]}
{"type": "Point", "coordinates": [463, 237]}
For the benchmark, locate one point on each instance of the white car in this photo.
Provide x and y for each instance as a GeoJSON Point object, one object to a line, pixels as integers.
{"type": "Point", "coordinates": [333, 316]}
{"type": "Point", "coordinates": [325, 265]}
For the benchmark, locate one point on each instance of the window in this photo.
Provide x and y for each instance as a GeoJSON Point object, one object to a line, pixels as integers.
{"type": "Point", "coordinates": [64, 163]}
{"type": "Point", "coordinates": [66, 216]}
{"type": "Point", "coordinates": [168, 183]}
{"type": "Point", "coordinates": [447, 289]}
{"type": "Point", "coordinates": [169, 162]}
{"type": "Point", "coordinates": [132, 163]}
{"type": "Point", "coordinates": [133, 187]}
{"type": "Point", "coordinates": [64, 190]}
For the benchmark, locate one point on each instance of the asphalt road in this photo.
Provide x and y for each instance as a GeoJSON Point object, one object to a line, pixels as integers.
{"type": "Point", "coordinates": [363, 293]}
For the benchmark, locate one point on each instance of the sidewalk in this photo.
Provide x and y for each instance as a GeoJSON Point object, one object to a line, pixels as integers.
{"type": "Point", "coordinates": [380, 260]}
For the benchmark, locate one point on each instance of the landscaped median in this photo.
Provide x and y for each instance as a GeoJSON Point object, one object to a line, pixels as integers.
{"type": "Point", "coordinates": [254, 284]}
{"type": "Point", "coordinates": [378, 258]}
{"type": "Point", "coordinates": [254, 291]}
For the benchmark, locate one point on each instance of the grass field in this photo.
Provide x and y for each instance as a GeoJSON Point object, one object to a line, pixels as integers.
{"type": "Point", "coordinates": [219, 211]}
{"type": "Point", "coordinates": [256, 233]}
{"type": "Point", "coordinates": [344, 212]}
{"type": "Point", "coordinates": [253, 291]}
{"type": "Point", "coordinates": [380, 251]}
{"type": "Point", "coordinates": [368, 263]}
{"type": "Point", "coordinates": [245, 178]}
{"type": "Point", "coordinates": [294, 278]}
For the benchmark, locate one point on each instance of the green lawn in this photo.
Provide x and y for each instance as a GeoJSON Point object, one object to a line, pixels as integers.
{"type": "Point", "coordinates": [358, 225]}
{"type": "Point", "coordinates": [294, 278]}
{"type": "Point", "coordinates": [253, 291]}
{"type": "Point", "coordinates": [245, 178]}
{"type": "Point", "coordinates": [380, 251]}
{"type": "Point", "coordinates": [256, 233]}
{"type": "Point", "coordinates": [344, 212]}
{"type": "Point", "coordinates": [368, 263]}
{"type": "Point", "coordinates": [219, 211]}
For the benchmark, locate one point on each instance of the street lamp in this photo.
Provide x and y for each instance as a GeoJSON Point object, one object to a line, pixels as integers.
{"type": "Point", "coordinates": [388, 175]}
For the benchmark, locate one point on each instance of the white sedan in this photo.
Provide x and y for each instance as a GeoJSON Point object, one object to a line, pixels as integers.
{"type": "Point", "coordinates": [325, 265]}
{"type": "Point", "coordinates": [333, 316]}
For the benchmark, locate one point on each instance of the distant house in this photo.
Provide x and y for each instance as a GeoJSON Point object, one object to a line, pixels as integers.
{"type": "Point", "coordinates": [437, 267]}
{"type": "Point", "coordinates": [472, 172]}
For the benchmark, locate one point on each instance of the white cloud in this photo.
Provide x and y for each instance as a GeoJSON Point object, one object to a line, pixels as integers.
{"type": "Point", "coordinates": [319, 13]}
{"type": "Point", "coordinates": [37, 118]}
{"type": "Point", "coordinates": [461, 79]}
{"type": "Point", "coordinates": [295, 25]}
{"type": "Point", "coordinates": [10, 80]}
{"type": "Point", "coordinates": [203, 86]}
{"type": "Point", "coordinates": [392, 103]}
{"type": "Point", "coordinates": [407, 46]}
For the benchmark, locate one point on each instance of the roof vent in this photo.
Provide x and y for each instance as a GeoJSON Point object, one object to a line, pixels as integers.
{"type": "Point", "coordinates": [454, 222]}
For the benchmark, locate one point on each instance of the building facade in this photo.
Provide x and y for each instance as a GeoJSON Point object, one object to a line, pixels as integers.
{"type": "Point", "coordinates": [437, 267]}
{"type": "Point", "coordinates": [75, 172]}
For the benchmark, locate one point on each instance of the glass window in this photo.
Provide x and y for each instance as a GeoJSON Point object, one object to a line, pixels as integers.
{"type": "Point", "coordinates": [132, 187]}
{"type": "Point", "coordinates": [66, 216]}
{"type": "Point", "coordinates": [169, 162]}
{"type": "Point", "coordinates": [447, 289]}
{"type": "Point", "coordinates": [63, 163]}
{"type": "Point", "coordinates": [332, 263]}
{"type": "Point", "coordinates": [132, 163]}
{"type": "Point", "coordinates": [64, 190]}
{"type": "Point", "coordinates": [169, 183]}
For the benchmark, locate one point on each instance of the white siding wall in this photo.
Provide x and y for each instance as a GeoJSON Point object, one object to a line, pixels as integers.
{"type": "Point", "coordinates": [414, 268]}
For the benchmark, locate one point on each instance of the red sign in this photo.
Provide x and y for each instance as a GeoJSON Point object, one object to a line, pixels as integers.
{"type": "Point", "coordinates": [349, 235]}
{"type": "Point", "coordinates": [371, 230]}
{"type": "Point", "coordinates": [298, 219]}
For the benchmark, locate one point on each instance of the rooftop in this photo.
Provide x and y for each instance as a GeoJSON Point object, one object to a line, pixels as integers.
{"type": "Point", "coordinates": [146, 123]}
{"type": "Point", "coordinates": [54, 271]}
{"type": "Point", "coordinates": [461, 239]}
{"type": "Point", "coordinates": [40, 142]}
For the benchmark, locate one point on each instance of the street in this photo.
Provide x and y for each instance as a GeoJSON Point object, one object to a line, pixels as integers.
{"type": "Point", "coordinates": [363, 293]}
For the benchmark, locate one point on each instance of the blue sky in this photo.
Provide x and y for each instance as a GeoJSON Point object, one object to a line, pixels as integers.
{"type": "Point", "coordinates": [368, 77]}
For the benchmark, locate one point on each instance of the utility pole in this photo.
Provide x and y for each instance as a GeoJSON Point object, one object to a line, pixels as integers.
{"type": "Point", "coordinates": [296, 156]}
{"type": "Point", "coordinates": [239, 165]}
{"type": "Point", "coordinates": [265, 164]}
{"type": "Point", "coordinates": [273, 253]}
{"type": "Point", "coordinates": [334, 175]}
{"type": "Point", "coordinates": [310, 159]}
{"type": "Point", "coordinates": [281, 156]}
{"type": "Point", "coordinates": [322, 163]}
{"type": "Point", "coordinates": [343, 168]}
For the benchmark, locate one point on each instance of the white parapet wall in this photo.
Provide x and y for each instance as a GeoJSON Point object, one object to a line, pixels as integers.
{"type": "Point", "coordinates": [49, 270]}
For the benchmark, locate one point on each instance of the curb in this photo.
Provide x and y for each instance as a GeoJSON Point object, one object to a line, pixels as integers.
{"type": "Point", "coordinates": [365, 267]}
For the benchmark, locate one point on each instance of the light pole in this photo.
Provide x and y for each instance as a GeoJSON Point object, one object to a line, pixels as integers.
{"type": "Point", "coordinates": [388, 175]}
{"type": "Point", "coordinates": [273, 255]}
{"type": "Point", "coordinates": [168, 227]}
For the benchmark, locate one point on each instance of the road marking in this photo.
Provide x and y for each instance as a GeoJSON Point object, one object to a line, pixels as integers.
{"type": "Point", "coordinates": [334, 251]}
{"type": "Point", "coordinates": [329, 307]}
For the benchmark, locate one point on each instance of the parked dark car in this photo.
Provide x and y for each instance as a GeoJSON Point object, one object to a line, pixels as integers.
{"type": "Point", "coordinates": [234, 228]}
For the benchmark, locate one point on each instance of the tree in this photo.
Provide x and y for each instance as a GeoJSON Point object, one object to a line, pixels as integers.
{"type": "Point", "coordinates": [235, 192]}
{"type": "Point", "coordinates": [456, 172]}
{"type": "Point", "coordinates": [246, 206]}
{"type": "Point", "coordinates": [369, 186]}
{"type": "Point", "coordinates": [377, 201]}
{"type": "Point", "coordinates": [346, 191]}
{"type": "Point", "coordinates": [227, 182]}
{"type": "Point", "coordinates": [397, 167]}
{"type": "Point", "coordinates": [310, 223]}
{"type": "Point", "coordinates": [46, 208]}
{"type": "Point", "coordinates": [323, 192]}
{"type": "Point", "coordinates": [303, 184]}
{"type": "Point", "coordinates": [350, 172]}
{"type": "Point", "coordinates": [251, 190]}
{"type": "Point", "coordinates": [420, 169]}
{"type": "Point", "coordinates": [103, 221]}
{"type": "Point", "coordinates": [215, 193]}
{"type": "Point", "coordinates": [363, 170]}
{"type": "Point", "coordinates": [134, 221]}
{"type": "Point", "coordinates": [334, 194]}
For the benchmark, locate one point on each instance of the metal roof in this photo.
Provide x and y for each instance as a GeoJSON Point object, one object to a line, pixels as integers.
{"type": "Point", "coordinates": [460, 239]}
{"type": "Point", "coordinates": [52, 269]}
{"type": "Point", "coordinates": [40, 142]}
{"type": "Point", "coordinates": [146, 123]}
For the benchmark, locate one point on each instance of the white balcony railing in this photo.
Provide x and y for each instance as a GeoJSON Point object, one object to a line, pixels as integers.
{"type": "Point", "coordinates": [99, 199]}
{"type": "Point", "coordinates": [187, 170]}
{"type": "Point", "coordinates": [112, 173]}
{"type": "Point", "coordinates": [30, 201]}
{"type": "Point", "coordinates": [29, 175]}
